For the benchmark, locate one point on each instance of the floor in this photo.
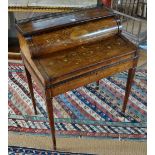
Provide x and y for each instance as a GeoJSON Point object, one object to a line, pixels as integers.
{"type": "Point", "coordinates": [95, 146]}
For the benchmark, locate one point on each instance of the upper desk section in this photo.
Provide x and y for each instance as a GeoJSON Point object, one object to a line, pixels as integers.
{"type": "Point", "coordinates": [59, 21]}
{"type": "Point", "coordinates": [46, 35]}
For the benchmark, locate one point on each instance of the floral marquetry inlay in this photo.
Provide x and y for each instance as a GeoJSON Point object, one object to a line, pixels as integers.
{"type": "Point", "coordinates": [73, 36]}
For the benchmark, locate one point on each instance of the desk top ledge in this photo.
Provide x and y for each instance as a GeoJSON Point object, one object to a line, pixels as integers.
{"type": "Point", "coordinates": [50, 23]}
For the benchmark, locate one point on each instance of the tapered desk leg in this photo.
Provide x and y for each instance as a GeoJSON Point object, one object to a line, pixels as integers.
{"type": "Point", "coordinates": [97, 85]}
{"type": "Point", "coordinates": [29, 79]}
{"type": "Point", "coordinates": [131, 74]}
{"type": "Point", "coordinates": [49, 105]}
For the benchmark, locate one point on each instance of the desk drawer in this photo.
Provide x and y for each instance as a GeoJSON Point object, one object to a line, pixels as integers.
{"type": "Point", "coordinates": [93, 76]}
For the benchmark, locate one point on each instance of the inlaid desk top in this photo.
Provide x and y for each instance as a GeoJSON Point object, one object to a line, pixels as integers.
{"type": "Point", "coordinates": [73, 62]}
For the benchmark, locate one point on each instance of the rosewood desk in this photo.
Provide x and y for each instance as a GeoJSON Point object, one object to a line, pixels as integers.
{"type": "Point", "coordinates": [68, 51]}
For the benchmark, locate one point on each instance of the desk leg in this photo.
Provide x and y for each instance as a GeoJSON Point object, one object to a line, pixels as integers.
{"type": "Point", "coordinates": [97, 85]}
{"type": "Point", "coordinates": [29, 79]}
{"type": "Point", "coordinates": [49, 105]}
{"type": "Point", "coordinates": [131, 74]}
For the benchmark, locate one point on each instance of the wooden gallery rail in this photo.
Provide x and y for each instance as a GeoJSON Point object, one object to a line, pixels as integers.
{"type": "Point", "coordinates": [68, 51]}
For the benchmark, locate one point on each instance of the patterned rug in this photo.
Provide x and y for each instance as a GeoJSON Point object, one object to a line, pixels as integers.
{"type": "Point", "coordinates": [81, 112]}
{"type": "Point", "coordinates": [14, 150]}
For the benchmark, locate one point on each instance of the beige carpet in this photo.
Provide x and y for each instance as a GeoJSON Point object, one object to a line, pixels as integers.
{"type": "Point", "coordinates": [95, 146]}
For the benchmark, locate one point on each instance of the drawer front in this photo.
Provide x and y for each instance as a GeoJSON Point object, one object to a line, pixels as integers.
{"type": "Point", "coordinates": [96, 75]}
{"type": "Point", "coordinates": [88, 69]}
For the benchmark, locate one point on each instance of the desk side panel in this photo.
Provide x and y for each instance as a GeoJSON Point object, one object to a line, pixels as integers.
{"type": "Point", "coordinates": [32, 65]}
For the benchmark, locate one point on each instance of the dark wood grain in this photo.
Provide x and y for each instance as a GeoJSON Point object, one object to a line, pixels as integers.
{"type": "Point", "coordinates": [131, 74]}
{"type": "Point", "coordinates": [49, 107]}
{"type": "Point", "coordinates": [73, 83]}
{"type": "Point", "coordinates": [97, 54]}
{"type": "Point", "coordinates": [69, 37]}
{"type": "Point", "coordinates": [97, 85]}
{"type": "Point", "coordinates": [52, 23]}
{"type": "Point", "coordinates": [29, 80]}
